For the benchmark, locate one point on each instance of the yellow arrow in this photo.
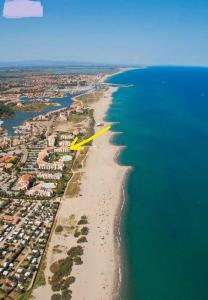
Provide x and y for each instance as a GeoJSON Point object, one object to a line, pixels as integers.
{"type": "Point", "coordinates": [79, 146]}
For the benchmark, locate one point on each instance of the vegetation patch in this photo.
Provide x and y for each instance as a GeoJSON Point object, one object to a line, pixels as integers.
{"type": "Point", "coordinates": [76, 118]}
{"type": "Point", "coordinates": [77, 234]}
{"type": "Point", "coordinates": [75, 251]}
{"type": "Point", "coordinates": [78, 261]}
{"type": "Point", "coordinates": [62, 279]}
{"type": "Point", "coordinates": [83, 239]}
{"type": "Point", "coordinates": [83, 221]}
{"type": "Point", "coordinates": [91, 97]}
{"type": "Point", "coordinates": [25, 296]}
{"type": "Point", "coordinates": [6, 111]}
{"type": "Point", "coordinates": [74, 186]}
{"type": "Point", "coordinates": [56, 297]}
{"type": "Point", "coordinates": [60, 269]}
{"type": "Point", "coordinates": [59, 229]}
{"type": "Point", "coordinates": [79, 162]}
{"type": "Point", "coordinates": [36, 107]}
{"type": "Point", "coordinates": [40, 279]}
{"type": "Point", "coordinates": [85, 231]}
{"type": "Point", "coordinates": [66, 294]}
{"type": "Point", "coordinates": [57, 251]}
{"type": "Point", "coordinates": [63, 183]}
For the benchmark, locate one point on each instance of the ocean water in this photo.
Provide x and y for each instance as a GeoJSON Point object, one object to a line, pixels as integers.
{"type": "Point", "coordinates": [164, 120]}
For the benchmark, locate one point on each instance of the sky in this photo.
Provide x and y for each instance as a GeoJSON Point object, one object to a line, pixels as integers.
{"type": "Point", "coordinates": [22, 9]}
{"type": "Point", "coordinates": [152, 32]}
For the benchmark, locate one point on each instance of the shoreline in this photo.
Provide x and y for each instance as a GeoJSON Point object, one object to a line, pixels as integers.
{"type": "Point", "coordinates": [121, 205]}
{"type": "Point", "coordinates": [119, 273]}
{"type": "Point", "coordinates": [113, 273]}
{"type": "Point", "coordinates": [121, 201]}
{"type": "Point", "coordinates": [120, 71]}
{"type": "Point", "coordinates": [101, 199]}
{"type": "Point", "coordinates": [118, 235]}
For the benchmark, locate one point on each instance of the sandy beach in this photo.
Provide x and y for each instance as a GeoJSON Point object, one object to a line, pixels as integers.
{"type": "Point", "coordinates": [120, 70]}
{"type": "Point", "coordinates": [101, 190]}
{"type": "Point", "coordinates": [100, 199]}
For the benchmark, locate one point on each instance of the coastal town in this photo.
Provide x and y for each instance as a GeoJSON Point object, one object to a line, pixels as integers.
{"type": "Point", "coordinates": [36, 166]}
{"type": "Point", "coordinates": [35, 91]}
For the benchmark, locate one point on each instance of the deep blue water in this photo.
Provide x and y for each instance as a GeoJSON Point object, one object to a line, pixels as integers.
{"type": "Point", "coordinates": [164, 120]}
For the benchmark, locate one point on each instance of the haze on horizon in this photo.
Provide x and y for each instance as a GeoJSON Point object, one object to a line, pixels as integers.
{"type": "Point", "coordinates": [153, 32]}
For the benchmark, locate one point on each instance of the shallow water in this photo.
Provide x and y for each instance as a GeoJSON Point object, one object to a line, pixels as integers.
{"type": "Point", "coordinates": [164, 120]}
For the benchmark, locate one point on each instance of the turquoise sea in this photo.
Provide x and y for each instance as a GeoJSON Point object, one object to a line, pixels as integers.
{"type": "Point", "coordinates": [164, 120]}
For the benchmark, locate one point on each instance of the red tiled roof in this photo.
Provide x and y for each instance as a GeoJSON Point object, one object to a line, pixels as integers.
{"type": "Point", "coordinates": [7, 159]}
{"type": "Point", "coordinates": [9, 219]}
{"type": "Point", "coordinates": [26, 177]}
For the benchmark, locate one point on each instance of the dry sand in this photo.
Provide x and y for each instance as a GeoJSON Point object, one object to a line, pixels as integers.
{"type": "Point", "coordinates": [101, 189]}
{"type": "Point", "coordinates": [100, 200]}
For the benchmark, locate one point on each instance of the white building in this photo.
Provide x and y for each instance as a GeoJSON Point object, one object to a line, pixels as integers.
{"type": "Point", "coordinates": [64, 143]}
{"type": "Point", "coordinates": [51, 140]}
{"type": "Point", "coordinates": [55, 176]}
{"type": "Point", "coordinates": [66, 137]}
{"type": "Point", "coordinates": [62, 150]}
{"type": "Point", "coordinates": [53, 166]}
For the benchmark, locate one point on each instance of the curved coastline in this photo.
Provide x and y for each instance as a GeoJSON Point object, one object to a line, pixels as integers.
{"type": "Point", "coordinates": [102, 199]}
{"type": "Point", "coordinates": [121, 206]}
{"type": "Point", "coordinates": [118, 234]}
{"type": "Point", "coordinates": [118, 218]}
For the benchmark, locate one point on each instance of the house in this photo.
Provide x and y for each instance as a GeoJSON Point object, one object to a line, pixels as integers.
{"type": "Point", "coordinates": [51, 166]}
{"type": "Point", "coordinates": [55, 176]}
{"type": "Point", "coordinates": [42, 189]}
{"type": "Point", "coordinates": [66, 137]}
{"type": "Point", "coordinates": [7, 159]}
{"type": "Point", "coordinates": [24, 182]}
{"type": "Point", "coordinates": [51, 140]}
{"type": "Point", "coordinates": [64, 143]}
{"type": "Point", "coordinates": [9, 219]}
{"type": "Point", "coordinates": [61, 150]}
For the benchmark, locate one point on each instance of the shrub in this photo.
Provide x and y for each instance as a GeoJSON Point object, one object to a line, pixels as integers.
{"type": "Point", "coordinates": [60, 269]}
{"type": "Point", "coordinates": [55, 267]}
{"type": "Point", "coordinates": [77, 234]}
{"type": "Point", "coordinates": [82, 240]}
{"type": "Point", "coordinates": [85, 231]}
{"type": "Point", "coordinates": [66, 267]}
{"type": "Point", "coordinates": [83, 220]}
{"type": "Point", "coordinates": [66, 295]}
{"type": "Point", "coordinates": [56, 297]}
{"type": "Point", "coordinates": [75, 251]}
{"type": "Point", "coordinates": [78, 260]}
{"type": "Point", "coordinates": [66, 284]}
{"type": "Point", "coordinates": [71, 280]}
{"type": "Point", "coordinates": [59, 229]}
{"type": "Point", "coordinates": [55, 285]}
